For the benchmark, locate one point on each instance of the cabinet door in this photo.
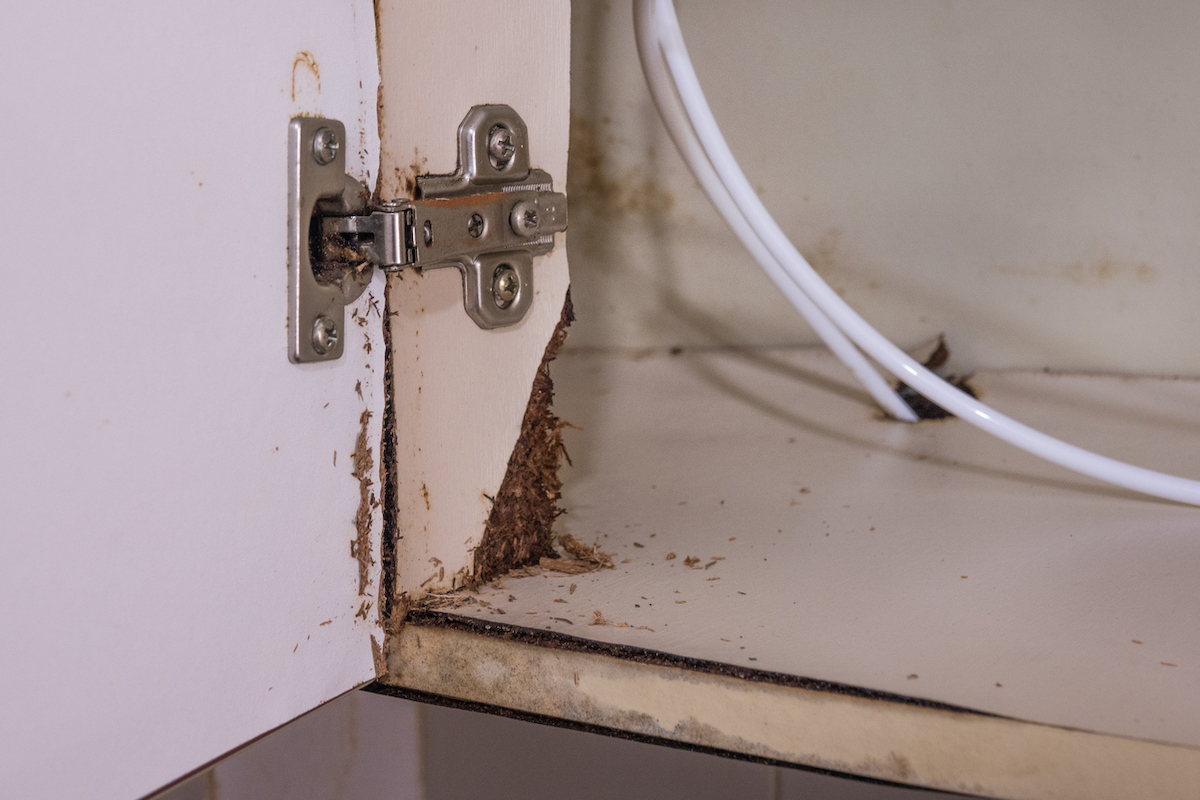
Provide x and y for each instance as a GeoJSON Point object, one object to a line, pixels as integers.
{"type": "Point", "coordinates": [191, 524]}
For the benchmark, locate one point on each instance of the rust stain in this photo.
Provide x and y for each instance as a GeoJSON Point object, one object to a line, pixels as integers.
{"type": "Point", "coordinates": [466, 201]}
{"type": "Point", "coordinates": [305, 59]}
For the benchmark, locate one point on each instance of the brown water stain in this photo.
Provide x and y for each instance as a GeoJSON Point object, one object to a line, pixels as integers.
{"type": "Point", "coordinates": [306, 60]}
{"type": "Point", "coordinates": [595, 185]}
{"type": "Point", "coordinates": [1097, 271]}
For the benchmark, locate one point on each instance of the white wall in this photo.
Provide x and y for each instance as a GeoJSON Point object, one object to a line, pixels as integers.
{"type": "Point", "coordinates": [1022, 176]}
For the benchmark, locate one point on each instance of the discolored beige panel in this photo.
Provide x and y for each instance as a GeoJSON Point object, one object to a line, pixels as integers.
{"type": "Point", "coordinates": [460, 392]}
{"type": "Point", "coordinates": [878, 738]}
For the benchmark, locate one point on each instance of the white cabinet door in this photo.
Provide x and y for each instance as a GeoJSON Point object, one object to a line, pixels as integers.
{"type": "Point", "coordinates": [189, 549]}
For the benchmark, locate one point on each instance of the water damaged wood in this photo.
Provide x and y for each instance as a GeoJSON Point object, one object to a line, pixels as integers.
{"type": "Point", "coordinates": [923, 406]}
{"type": "Point", "coordinates": [391, 609]}
{"type": "Point", "coordinates": [364, 461]}
{"type": "Point", "coordinates": [773, 717]}
{"type": "Point", "coordinates": [518, 536]}
{"type": "Point", "coordinates": [519, 529]}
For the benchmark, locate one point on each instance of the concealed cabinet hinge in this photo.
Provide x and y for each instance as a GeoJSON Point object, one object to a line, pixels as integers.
{"type": "Point", "coordinates": [489, 219]}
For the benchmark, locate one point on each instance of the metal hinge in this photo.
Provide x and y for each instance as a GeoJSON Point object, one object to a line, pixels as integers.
{"type": "Point", "coordinates": [489, 219]}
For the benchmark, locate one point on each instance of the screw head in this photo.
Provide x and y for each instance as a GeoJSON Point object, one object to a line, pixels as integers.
{"type": "Point", "coordinates": [501, 146]}
{"type": "Point", "coordinates": [325, 146]}
{"type": "Point", "coordinates": [524, 218]}
{"type": "Point", "coordinates": [506, 284]}
{"type": "Point", "coordinates": [475, 226]}
{"type": "Point", "coordinates": [324, 335]}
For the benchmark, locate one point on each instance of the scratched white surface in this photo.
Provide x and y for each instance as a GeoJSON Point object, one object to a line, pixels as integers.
{"type": "Point", "coordinates": [926, 560]}
{"type": "Point", "coordinates": [175, 564]}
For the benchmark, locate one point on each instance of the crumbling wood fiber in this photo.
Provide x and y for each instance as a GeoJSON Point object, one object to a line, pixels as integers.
{"type": "Point", "coordinates": [519, 529]}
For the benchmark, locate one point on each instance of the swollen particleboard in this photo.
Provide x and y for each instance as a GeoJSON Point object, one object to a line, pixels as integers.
{"type": "Point", "coordinates": [797, 578]}
{"type": "Point", "coordinates": [460, 393]}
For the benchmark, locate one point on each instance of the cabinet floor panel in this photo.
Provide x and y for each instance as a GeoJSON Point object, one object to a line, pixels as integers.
{"type": "Point", "coordinates": [762, 515]}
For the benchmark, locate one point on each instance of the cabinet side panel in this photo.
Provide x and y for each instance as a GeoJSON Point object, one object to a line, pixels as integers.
{"type": "Point", "coordinates": [460, 392]}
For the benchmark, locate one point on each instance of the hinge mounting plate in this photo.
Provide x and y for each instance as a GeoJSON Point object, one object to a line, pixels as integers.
{"type": "Point", "coordinates": [488, 219]}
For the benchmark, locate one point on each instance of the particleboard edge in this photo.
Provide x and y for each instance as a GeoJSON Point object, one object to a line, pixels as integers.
{"type": "Point", "coordinates": [835, 729]}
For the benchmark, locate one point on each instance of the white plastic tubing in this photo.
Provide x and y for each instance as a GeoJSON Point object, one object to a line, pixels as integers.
{"type": "Point", "coordinates": [689, 147]}
{"type": "Point", "coordinates": [696, 133]}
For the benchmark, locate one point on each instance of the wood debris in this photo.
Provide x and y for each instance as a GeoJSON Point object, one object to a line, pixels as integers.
{"type": "Point", "coordinates": [566, 565]}
{"type": "Point", "coordinates": [433, 601]}
{"type": "Point", "coordinates": [583, 558]}
{"type": "Point", "coordinates": [691, 561]}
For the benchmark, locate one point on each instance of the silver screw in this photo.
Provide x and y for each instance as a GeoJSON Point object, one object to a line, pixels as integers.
{"type": "Point", "coordinates": [500, 146]}
{"type": "Point", "coordinates": [324, 335]}
{"type": "Point", "coordinates": [524, 218]}
{"type": "Point", "coordinates": [475, 226]}
{"type": "Point", "coordinates": [505, 285]}
{"type": "Point", "coordinates": [326, 146]}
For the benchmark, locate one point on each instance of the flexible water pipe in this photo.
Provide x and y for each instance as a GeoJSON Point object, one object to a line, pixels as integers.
{"type": "Point", "coordinates": [666, 34]}
{"type": "Point", "coordinates": [693, 154]}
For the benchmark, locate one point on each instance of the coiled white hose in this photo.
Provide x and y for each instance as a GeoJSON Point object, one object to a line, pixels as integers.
{"type": "Point", "coordinates": [658, 32]}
